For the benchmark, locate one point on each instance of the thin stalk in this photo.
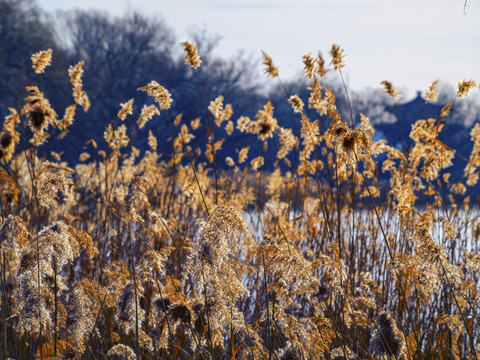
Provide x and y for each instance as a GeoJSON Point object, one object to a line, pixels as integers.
{"type": "Point", "coordinates": [340, 246]}
{"type": "Point", "coordinates": [339, 215]}
{"type": "Point", "coordinates": [137, 346]}
{"type": "Point", "coordinates": [194, 173]}
{"type": "Point", "coordinates": [232, 334]}
{"type": "Point", "coordinates": [39, 295]}
{"type": "Point", "coordinates": [170, 337]}
{"type": "Point", "coordinates": [56, 307]}
{"type": "Point", "coordinates": [348, 97]}
{"type": "Point", "coordinates": [2, 209]}
{"type": "Point", "coordinates": [31, 171]}
{"type": "Point", "coordinates": [246, 330]}
{"type": "Point", "coordinates": [269, 338]}
{"type": "Point", "coordinates": [282, 86]}
{"type": "Point", "coordinates": [174, 171]}
{"type": "Point", "coordinates": [208, 316]}
{"type": "Point", "coordinates": [210, 130]}
{"type": "Point", "coordinates": [352, 238]}
{"type": "Point", "coordinates": [94, 325]}
{"type": "Point", "coordinates": [4, 291]}
{"type": "Point", "coordinates": [275, 218]}
{"type": "Point", "coordinates": [390, 253]}
{"type": "Point", "coordinates": [4, 307]}
{"type": "Point", "coordinates": [324, 210]}
{"type": "Point", "coordinates": [465, 323]}
{"type": "Point", "coordinates": [353, 170]}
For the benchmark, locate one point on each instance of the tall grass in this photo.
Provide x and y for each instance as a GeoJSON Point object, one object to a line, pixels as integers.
{"type": "Point", "coordinates": [133, 255]}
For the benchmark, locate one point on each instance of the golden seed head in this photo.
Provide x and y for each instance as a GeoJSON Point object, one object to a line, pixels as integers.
{"type": "Point", "coordinates": [229, 161]}
{"type": "Point", "coordinates": [216, 106]}
{"type": "Point", "coordinates": [242, 123]}
{"type": "Point", "coordinates": [79, 95]}
{"type": "Point", "coordinates": [191, 54]}
{"type": "Point", "coordinates": [266, 124]}
{"type": "Point", "coordinates": [270, 68]}
{"type": "Point", "coordinates": [338, 58]}
{"type": "Point", "coordinates": [243, 154]}
{"type": "Point", "coordinates": [321, 65]}
{"type": "Point", "coordinates": [160, 94]}
{"type": "Point", "coordinates": [41, 60]}
{"type": "Point", "coordinates": [148, 111]}
{"type": "Point", "coordinates": [309, 65]}
{"type": "Point", "coordinates": [297, 103]}
{"type": "Point", "coordinates": [126, 108]}
{"type": "Point", "coordinates": [463, 87]}
{"type": "Point", "coordinates": [391, 90]}
{"type": "Point", "coordinates": [432, 94]}
{"type": "Point", "coordinates": [446, 110]}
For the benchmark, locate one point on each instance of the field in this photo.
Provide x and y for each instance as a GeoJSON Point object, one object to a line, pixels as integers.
{"type": "Point", "coordinates": [138, 255]}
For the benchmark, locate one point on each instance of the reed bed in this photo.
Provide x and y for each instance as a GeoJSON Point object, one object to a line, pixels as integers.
{"type": "Point", "coordinates": [140, 255]}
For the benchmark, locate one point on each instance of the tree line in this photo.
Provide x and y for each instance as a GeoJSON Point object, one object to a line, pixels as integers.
{"type": "Point", "coordinates": [124, 53]}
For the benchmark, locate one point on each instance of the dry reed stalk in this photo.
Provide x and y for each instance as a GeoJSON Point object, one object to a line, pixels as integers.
{"type": "Point", "coordinates": [195, 174]}
{"type": "Point", "coordinates": [390, 253]}
{"type": "Point", "coordinates": [210, 270]}
{"type": "Point", "coordinates": [4, 306]}
{"type": "Point", "coordinates": [269, 336]}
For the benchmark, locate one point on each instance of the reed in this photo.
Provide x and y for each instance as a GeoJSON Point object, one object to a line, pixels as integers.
{"type": "Point", "coordinates": [135, 254]}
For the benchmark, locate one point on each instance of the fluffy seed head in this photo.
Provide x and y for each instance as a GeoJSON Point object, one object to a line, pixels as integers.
{"type": "Point", "coordinates": [242, 123]}
{"type": "Point", "coordinates": [338, 58]}
{"type": "Point", "coordinates": [53, 183]}
{"type": "Point", "coordinates": [121, 352]}
{"type": "Point", "coordinates": [125, 314]}
{"type": "Point", "coordinates": [270, 68]}
{"type": "Point", "coordinates": [161, 95]}
{"type": "Point", "coordinates": [266, 124]}
{"type": "Point", "coordinates": [41, 60]}
{"type": "Point", "coordinates": [309, 65]}
{"type": "Point", "coordinates": [229, 161]}
{"type": "Point", "coordinates": [321, 65]}
{"type": "Point", "coordinates": [387, 339]}
{"type": "Point", "coordinates": [432, 94]}
{"type": "Point", "coordinates": [12, 233]}
{"type": "Point", "coordinates": [125, 110]}
{"type": "Point", "coordinates": [391, 90]}
{"type": "Point", "coordinates": [67, 118]}
{"type": "Point", "coordinates": [80, 96]}
{"type": "Point", "coordinates": [243, 154]}
{"type": "Point", "coordinates": [463, 87]}
{"type": "Point", "coordinates": [136, 197]}
{"type": "Point", "coordinates": [148, 111]}
{"type": "Point", "coordinates": [297, 103]}
{"type": "Point", "coordinates": [191, 54]}
{"type": "Point", "coordinates": [38, 110]}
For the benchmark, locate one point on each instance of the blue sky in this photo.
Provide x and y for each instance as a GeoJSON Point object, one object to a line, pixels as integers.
{"type": "Point", "coordinates": [409, 42]}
